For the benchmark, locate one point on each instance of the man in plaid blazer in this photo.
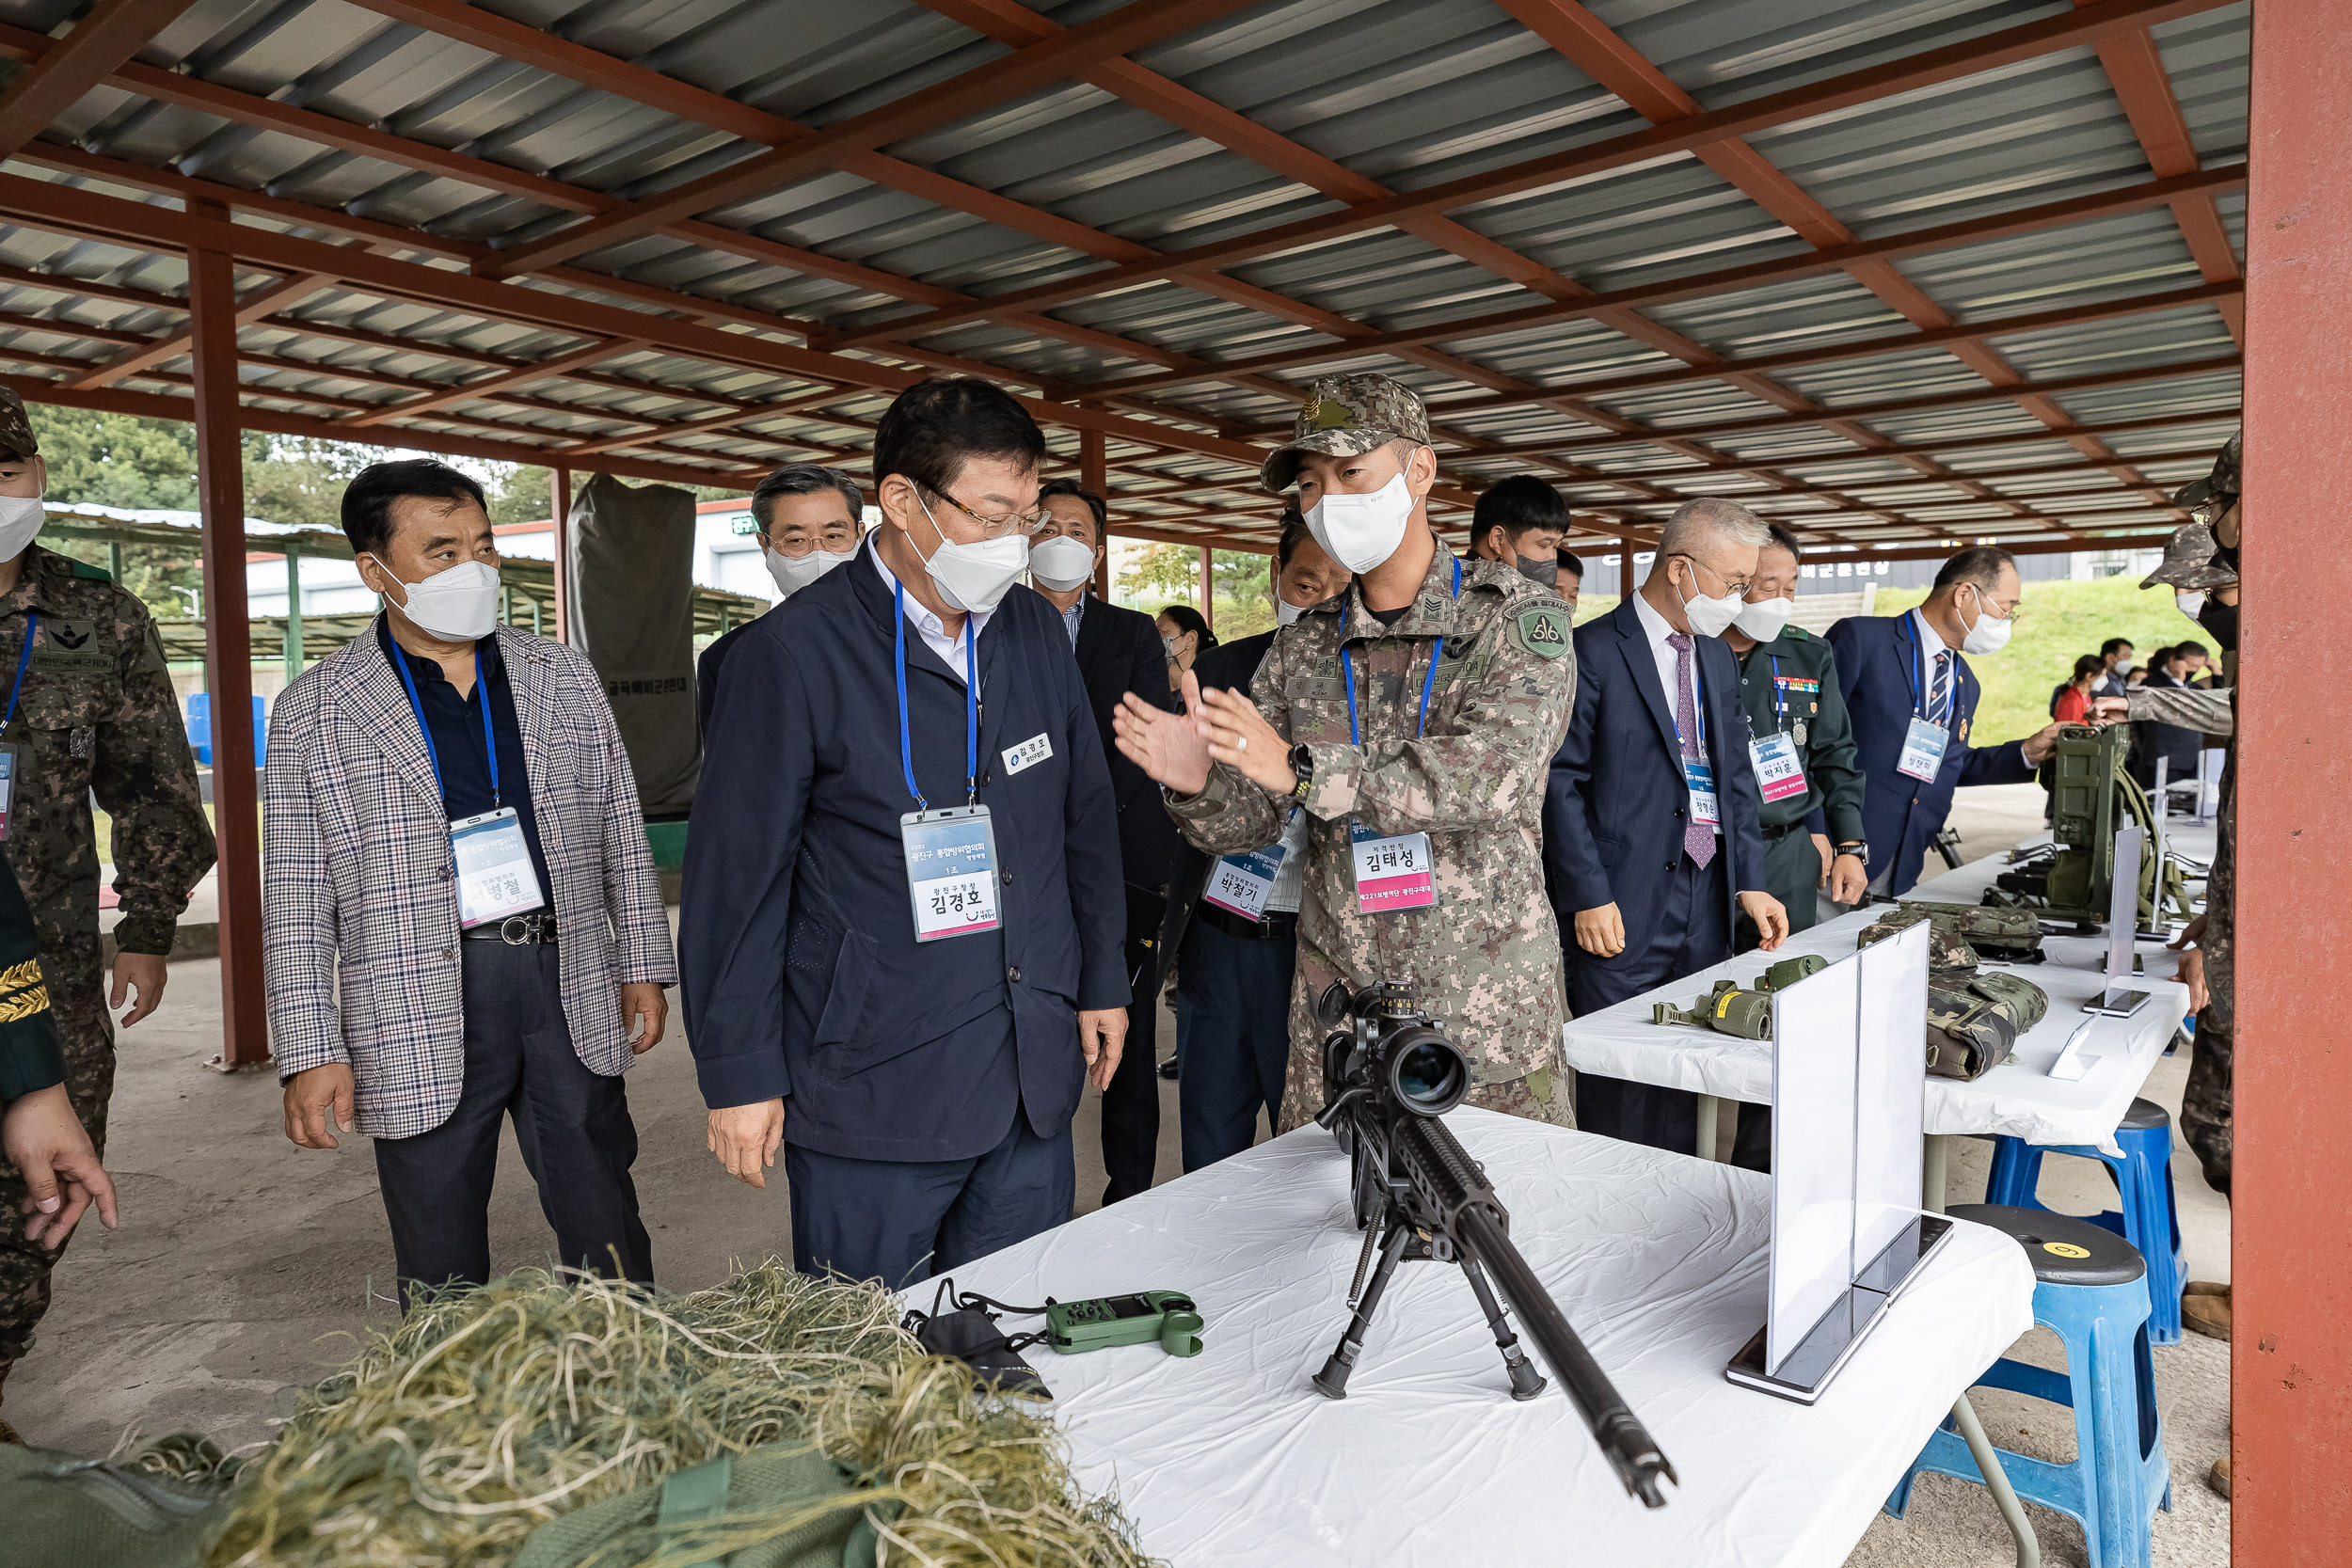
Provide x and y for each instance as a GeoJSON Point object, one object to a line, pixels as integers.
{"type": "Point", "coordinates": [460, 918]}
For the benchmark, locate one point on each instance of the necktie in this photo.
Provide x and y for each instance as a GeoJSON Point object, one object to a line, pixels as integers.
{"type": "Point", "coordinates": [1941, 690]}
{"type": "Point", "coordinates": [1698, 838]}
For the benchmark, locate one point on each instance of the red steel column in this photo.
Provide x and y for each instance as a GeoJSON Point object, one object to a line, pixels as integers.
{"type": "Point", "coordinates": [1208, 602]}
{"type": "Point", "coordinates": [1094, 473]}
{"type": "Point", "coordinates": [560, 503]}
{"type": "Point", "coordinates": [2290, 1257]}
{"type": "Point", "coordinates": [229, 656]}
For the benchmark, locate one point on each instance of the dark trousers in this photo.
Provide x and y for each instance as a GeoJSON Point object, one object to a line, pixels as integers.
{"type": "Point", "coordinates": [1232, 1034]}
{"type": "Point", "coordinates": [1131, 1106]}
{"type": "Point", "coordinates": [577, 1138]}
{"type": "Point", "coordinates": [1693, 932]}
{"type": "Point", "coordinates": [901, 1221]}
{"type": "Point", "coordinates": [1793, 873]}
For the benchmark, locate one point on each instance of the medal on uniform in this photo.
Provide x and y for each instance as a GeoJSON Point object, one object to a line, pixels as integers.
{"type": "Point", "coordinates": [951, 852]}
{"type": "Point", "coordinates": [1798, 732]}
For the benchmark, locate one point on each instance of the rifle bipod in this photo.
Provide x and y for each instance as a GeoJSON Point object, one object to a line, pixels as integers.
{"type": "Point", "coordinates": [1397, 1233]}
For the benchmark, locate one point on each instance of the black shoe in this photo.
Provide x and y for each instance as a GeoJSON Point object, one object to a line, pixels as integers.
{"type": "Point", "coordinates": [1168, 1069]}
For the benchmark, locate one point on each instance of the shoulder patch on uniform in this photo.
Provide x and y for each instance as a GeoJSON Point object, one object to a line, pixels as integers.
{"type": "Point", "coordinates": [1544, 629]}
{"type": "Point", "coordinates": [84, 569]}
{"type": "Point", "coordinates": [1797, 634]}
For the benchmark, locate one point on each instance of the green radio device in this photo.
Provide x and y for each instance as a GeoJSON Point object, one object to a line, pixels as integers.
{"type": "Point", "coordinates": [1102, 1322]}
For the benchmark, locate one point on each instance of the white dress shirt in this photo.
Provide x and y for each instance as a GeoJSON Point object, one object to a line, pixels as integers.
{"type": "Point", "coordinates": [949, 649]}
{"type": "Point", "coordinates": [1656, 628]}
{"type": "Point", "coordinates": [1930, 643]}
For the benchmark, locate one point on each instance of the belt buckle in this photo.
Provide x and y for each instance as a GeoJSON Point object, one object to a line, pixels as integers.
{"type": "Point", "coordinates": [519, 930]}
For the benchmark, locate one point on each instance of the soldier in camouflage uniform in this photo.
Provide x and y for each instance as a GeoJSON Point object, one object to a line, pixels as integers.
{"type": "Point", "coordinates": [1492, 652]}
{"type": "Point", "coordinates": [91, 713]}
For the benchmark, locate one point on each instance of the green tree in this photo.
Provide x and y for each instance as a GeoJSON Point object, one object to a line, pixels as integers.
{"type": "Point", "coordinates": [115, 459]}
{"type": "Point", "coordinates": [1147, 576]}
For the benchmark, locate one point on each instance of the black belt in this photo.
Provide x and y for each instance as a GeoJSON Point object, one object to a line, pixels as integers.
{"type": "Point", "coordinates": [537, 928]}
{"type": "Point", "coordinates": [1278, 924]}
{"type": "Point", "coordinates": [1786, 828]}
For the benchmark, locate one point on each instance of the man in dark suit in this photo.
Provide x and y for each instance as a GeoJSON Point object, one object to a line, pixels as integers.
{"type": "Point", "coordinates": [919, 994]}
{"type": "Point", "coordinates": [1912, 698]}
{"type": "Point", "coordinates": [1651, 845]}
{"type": "Point", "coordinates": [2181, 748]}
{"type": "Point", "coordinates": [1118, 651]}
{"type": "Point", "coordinates": [807, 517]}
{"type": "Point", "coordinates": [1233, 970]}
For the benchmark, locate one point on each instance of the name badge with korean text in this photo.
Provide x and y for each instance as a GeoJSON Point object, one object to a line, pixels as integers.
{"type": "Point", "coordinates": [1242, 883]}
{"type": "Point", "coordinates": [13, 758]}
{"type": "Point", "coordinates": [1028, 754]}
{"type": "Point", "coordinates": [1778, 773]}
{"type": "Point", "coordinates": [495, 877]}
{"type": "Point", "coordinates": [1395, 873]}
{"type": "Point", "coordinates": [1923, 750]}
{"type": "Point", "coordinates": [1700, 776]}
{"type": "Point", "coordinates": [951, 871]}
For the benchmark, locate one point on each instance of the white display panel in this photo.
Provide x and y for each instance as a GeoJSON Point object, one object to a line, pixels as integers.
{"type": "Point", "coordinates": [1890, 1089]}
{"type": "Point", "coordinates": [2124, 907]}
{"type": "Point", "coordinates": [1813, 1153]}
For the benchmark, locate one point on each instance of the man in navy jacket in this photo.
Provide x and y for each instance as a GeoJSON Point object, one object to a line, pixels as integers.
{"type": "Point", "coordinates": [1895, 669]}
{"type": "Point", "coordinates": [922, 1090]}
{"type": "Point", "coordinates": [1651, 845]}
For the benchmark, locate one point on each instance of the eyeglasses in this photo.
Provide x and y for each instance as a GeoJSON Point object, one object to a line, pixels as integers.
{"type": "Point", "coordinates": [2012, 610]}
{"type": "Point", "coordinates": [997, 528]}
{"type": "Point", "coordinates": [1740, 586]}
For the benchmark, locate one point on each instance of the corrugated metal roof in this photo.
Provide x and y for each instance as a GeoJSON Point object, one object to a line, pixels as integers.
{"type": "Point", "coordinates": [1262, 116]}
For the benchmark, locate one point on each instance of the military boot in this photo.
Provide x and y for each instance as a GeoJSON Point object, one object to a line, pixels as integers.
{"type": "Point", "coordinates": [2205, 1308]}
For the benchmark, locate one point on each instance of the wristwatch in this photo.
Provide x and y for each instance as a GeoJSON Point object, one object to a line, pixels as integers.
{"type": "Point", "coordinates": [1303, 765]}
{"type": "Point", "coordinates": [1857, 847]}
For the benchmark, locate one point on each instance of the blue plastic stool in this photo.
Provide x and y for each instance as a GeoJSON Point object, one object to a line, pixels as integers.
{"type": "Point", "coordinates": [2094, 1294]}
{"type": "Point", "coordinates": [2143, 1179]}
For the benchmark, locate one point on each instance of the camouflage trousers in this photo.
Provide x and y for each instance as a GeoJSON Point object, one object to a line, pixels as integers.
{"type": "Point", "coordinates": [1543, 1095]}
{"type": "Point", "coordinates": [76, 973]}
{"type": "Point", "coordinates": [2205, 1103]}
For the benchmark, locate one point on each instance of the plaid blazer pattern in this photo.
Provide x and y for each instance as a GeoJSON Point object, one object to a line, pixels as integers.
{"type": "Point", "coordinates": [359, 896]}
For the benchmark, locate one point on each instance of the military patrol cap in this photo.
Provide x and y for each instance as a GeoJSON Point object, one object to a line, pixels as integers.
{"type": "Point", "coordinates": [16, 427]}
{"type": "Point", "coordinates": [2189, 560]}
{"type": "Point", "coordinates": [1345, 415]}
{"type": "Point", "coordinates": [2218, 486]}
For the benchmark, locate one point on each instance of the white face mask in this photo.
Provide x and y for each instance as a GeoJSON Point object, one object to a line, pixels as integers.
{"type": "Point", "coordinates": [1285, 612]}
{"type": "Point", "coordinates": [461, 604]}
{"type": "Point", "coordinates": [795, 572]}
{"type": "Point", "coordinates": [1361, 531]}
{"type": "Point", "coordinates": [975, 577]}
{"type": "Point", "coordinates": [1710, 617]}
{"type": "Point", "coordinates": [2192, 604]}
{"type": "Point", "coordinates": [1061, 563]}
{"type": "Point", "coordinates": [1989, 634]}
{"type": "Point", "coordinates": [1765, 620]}
{"type": "Point", "coordinates": [21, 517]}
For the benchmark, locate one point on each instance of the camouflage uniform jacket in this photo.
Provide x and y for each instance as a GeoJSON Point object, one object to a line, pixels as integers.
{"type": "Point", "coordinates": [2214, 712]}
{"type": "Point", "coordinates": [1485, 955]}
{"type": "Point", "coordinates": [99, 716]}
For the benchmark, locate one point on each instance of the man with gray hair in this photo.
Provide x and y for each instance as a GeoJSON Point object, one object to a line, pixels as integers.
{"type": "Point", "coordinates": [1651, 845]}
{"type": "Point", "coordinates": [1913, 699]}
{"type": "Point", "coordinates": [807, 517]}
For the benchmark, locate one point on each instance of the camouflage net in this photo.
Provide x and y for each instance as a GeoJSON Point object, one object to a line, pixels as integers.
{"type": "Point", "coordinates": [448, 1439]}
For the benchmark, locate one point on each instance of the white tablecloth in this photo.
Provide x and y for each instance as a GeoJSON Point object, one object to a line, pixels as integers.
{"type": "Point", "coordinates": [1231, 1458]}
{"type": "Point", "coordinates": [2018, 1097]}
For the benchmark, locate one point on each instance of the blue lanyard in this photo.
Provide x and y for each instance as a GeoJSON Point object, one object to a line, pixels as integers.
{"type": "Point", "coordinates": [1347, 671]}
{"type": "Point", "coordinates": [32, 624]}
{"type": "Point", "coordinates": [1916, 670]}
{"type": "Point", "coordinates": [482, 692]}
{"type": "Point", "coordinates": [971, 710]}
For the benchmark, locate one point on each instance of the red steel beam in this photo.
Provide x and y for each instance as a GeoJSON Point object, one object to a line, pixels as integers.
{"type": "Point", "coordinates": [1131, 26]}
{"type": "Point", "coordinates": [172, 345]}
{"type": "Point", "coordinates": [108, 34]}
{"type": "Point", "coordinates": [228, 656]}
{"type": "Point", "coordinates": [1932, 67]}
{"type": "Point", "coordinates": [2291, 1369]}
{"type": "Point", "coordinates": [561, 364]}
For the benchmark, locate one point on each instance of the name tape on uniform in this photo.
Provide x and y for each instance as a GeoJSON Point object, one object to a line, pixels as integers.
{"type": "Point", "coordinates": [1391, 873]}
{"type": "Point", "coordinates": [1028, 754]}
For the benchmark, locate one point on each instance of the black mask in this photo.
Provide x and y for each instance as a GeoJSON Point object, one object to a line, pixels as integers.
{"type": "Point", "coordinates": [2221, 621]}
{"type": "Point", "coordinates": [1545, 570]}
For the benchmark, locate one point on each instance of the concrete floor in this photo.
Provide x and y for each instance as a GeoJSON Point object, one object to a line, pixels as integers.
{"type": "Point", "coordinates": [245, 1264]}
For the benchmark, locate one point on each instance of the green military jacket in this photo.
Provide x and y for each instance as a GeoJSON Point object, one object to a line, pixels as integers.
{"type": "Point", "coordinates": [29, 1057]}
{"type": "Point", "coordinates": [1790, 685]}
{"type": "Point", "coordinates": [1486, 957]}
{"type": "Point", "coordinates": [97, 715]}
